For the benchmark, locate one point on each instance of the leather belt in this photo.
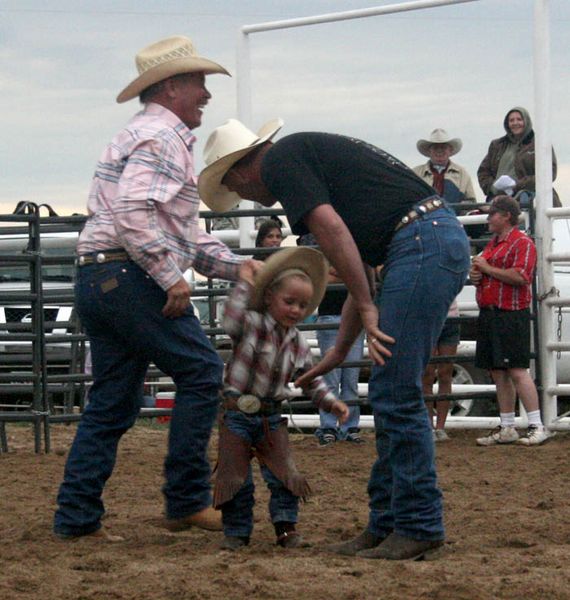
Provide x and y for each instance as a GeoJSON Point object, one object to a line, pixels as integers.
{"type": "Point", "coordinates": [252, 405]}
{"type": "Point", "coordinates": [105, 256]}
{"type": "Point", "coordinates": [423, 208]}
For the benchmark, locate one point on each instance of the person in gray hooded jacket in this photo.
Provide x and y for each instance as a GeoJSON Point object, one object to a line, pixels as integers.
{"type": "Point", "coordinates": [513, 155]}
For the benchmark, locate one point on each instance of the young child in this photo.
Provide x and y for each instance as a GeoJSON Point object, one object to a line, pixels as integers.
{"type": "Point", "coordinates": [261, 315]}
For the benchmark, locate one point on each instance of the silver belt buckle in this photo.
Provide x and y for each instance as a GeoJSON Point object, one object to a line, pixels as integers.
{"type": "Point", "coordinates": [249, 404]}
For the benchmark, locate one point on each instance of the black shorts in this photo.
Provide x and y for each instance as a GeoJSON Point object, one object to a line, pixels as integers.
{"type": "Point", "coordinates": [503, 339]}
{"type": "Point", "coordinates": [450, 334]}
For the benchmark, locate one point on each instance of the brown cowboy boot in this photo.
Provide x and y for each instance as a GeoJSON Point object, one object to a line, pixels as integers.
{"type": "Point", "coordinates": [233, 542]}
{"type": "Point", "coordinates": [397, 547]}
{"type": "Point", "coordinates": [364, 541]}
{"type": "Point", "coordinates": [207, 518]}
{"type": "Point", "coordinates": [287, 536]}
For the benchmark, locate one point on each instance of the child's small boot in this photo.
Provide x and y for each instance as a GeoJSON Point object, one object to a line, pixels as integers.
{"type": "Point", "coordinates": [287, 537]}
{"type": "Point", "coordinates": [233, 542]}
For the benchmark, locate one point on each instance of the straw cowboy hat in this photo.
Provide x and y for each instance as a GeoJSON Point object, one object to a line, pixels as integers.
{"type": "Point", "coordinates": [171, 56]}
{"type": "Point", "coordinates": [439, 136]}
{"type": "Point", "coordinates": [225, 146]}
{"type": "Point", "coordinates": [310, 261]}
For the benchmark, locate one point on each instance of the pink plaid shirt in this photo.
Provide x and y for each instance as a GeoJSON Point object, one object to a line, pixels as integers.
{"type": "Point", "coordinates": [263, 361]}
{"type": "Point", "coordinates": [144, 199]}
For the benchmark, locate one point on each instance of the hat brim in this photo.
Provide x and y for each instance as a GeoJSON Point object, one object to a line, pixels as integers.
{"type": "Point", "coordinates": [213, 193]}
{"type": "Point", "coordinates": [177, 66]}
{"type": "Point", "coordinates": [309, 260]}
{"type": "Point", "coordinates": [423, 146]}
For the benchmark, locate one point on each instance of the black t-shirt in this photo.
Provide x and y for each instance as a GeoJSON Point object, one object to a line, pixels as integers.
{"type": "Point", "coordinates": [332, 303]}
{"type": "Point", "coordinates": [370, 189]}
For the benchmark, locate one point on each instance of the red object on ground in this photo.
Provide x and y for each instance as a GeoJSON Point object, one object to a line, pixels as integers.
{"type": "Point", "coordinates": [164, 400]}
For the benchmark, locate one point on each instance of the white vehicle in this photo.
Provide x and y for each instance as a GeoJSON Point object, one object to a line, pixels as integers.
{"type": "Point", "coordinates": [16, 358]}
{"type": "Point", "coordinates": [15, 279]}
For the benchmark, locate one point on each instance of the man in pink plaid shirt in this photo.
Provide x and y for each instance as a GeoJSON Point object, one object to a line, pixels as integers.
{"type": "Point", "coordinates": [141, 236]}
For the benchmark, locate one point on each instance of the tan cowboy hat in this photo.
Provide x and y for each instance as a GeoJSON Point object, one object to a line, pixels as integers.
{"type": "Point", "coordinates": [439, 136]}
{"type": "Point", "coordinates": [310, 261]}
{"type": "Point", "coordinates": [225, 146]}
{"type": "Point", "coordinates": [172, 56]}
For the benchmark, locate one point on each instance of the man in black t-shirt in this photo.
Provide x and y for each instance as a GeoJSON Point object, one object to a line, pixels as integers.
{"type": "Point", "coordinates": [365, 208]}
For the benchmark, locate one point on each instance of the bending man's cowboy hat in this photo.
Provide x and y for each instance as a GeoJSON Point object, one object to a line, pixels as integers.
{"type": "Point", "coordinates": [439, 136]}
{"type": "Point", "coordinates": [225, 146]}
{"type": "Point", "coordinates": [310, 261]}
{"type": "Point", "coordinates": [168, 57]}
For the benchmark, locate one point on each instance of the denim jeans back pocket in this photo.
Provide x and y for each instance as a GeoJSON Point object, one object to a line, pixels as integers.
{"type": "Point", "coordinates": [99, 275]}
{"type": "Point", "coordinates": [453, 245]}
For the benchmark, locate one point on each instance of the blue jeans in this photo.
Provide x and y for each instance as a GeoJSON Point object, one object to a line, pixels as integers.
{"type": "Point", "coordinates": [237, 514]}
{"type": "Point", "coordinates": [120, 307]}
{"type": "Point", "coordinates": [425, 269]}
{"type": "Point", "coordinates": [343, 383]}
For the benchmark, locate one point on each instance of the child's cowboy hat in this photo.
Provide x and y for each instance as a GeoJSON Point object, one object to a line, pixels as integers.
{"type": "Point", "coordinates": [172, 56]}
{"type": "Point", "coordinates": [439, 136]}
{"type": "Point", "coordinates": [310, 261]}
{"type": "Point", "coordinates": [225, 146]}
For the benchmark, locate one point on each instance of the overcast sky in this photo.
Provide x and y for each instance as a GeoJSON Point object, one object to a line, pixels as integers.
{"type": "Point", "coordinates": [388, 79]}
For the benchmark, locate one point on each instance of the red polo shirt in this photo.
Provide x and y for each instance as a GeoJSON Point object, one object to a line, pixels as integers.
{"type": "Point", "coordinates": [516, 251]}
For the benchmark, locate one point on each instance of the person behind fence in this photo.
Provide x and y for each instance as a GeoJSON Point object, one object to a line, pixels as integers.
{"type": "Point", "coordinates": [269, 235]}
{"type": "Point", "coordinates": [446, 345]}
{"type": "Point", "coordinates": [365, 208]}
{"type": "Point", "coordinates": [140, 237]}
{"type": "Point", "coordinates": [503, 275]}
{"type": "Point", "coordinates": [509, 165]}
{"type": "Point", "coordinates": [260, 316]}
{"type": "Point", "coordinates": [453, 183]}
{"type": "Point", "coordinates": [343, 382]}
{"type": "Point", "coordinates": [450, 180]}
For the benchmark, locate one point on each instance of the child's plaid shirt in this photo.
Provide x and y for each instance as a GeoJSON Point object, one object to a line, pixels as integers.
{"type": "Point", "coordinates": [263, 360]}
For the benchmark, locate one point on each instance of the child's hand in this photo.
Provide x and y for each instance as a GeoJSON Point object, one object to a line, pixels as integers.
{"type": "Point", "coordinates": [249, 269]}
{"type": "Point", "coordinates": [340, 410]}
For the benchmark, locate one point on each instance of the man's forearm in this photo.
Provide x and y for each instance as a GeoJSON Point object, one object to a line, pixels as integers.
{"type": "Point", "coordinates": [509, 276]}
{"type": "Point", "coordinates": [350, 326]}
{"type": "Point", "coordinates": [215, 259]}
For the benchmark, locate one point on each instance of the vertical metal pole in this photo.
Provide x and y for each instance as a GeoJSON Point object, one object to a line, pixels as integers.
{"type": "Point", "coordinates": [40, 404]}
{"type": "Point", "coordinates": [3, 437]}
{"type": "Point", "coordinates": [73, 388]}
{"type": "Point", "coordinates": [243, 81]}
{"type": "Point", "coordinates": [530, 224]}
{"type": "Point", "coordinates": [543, 154]}
{"type": "Point", "coordinates": [36, 382]}
{"type": "Point", "coordinates": [41, 335]}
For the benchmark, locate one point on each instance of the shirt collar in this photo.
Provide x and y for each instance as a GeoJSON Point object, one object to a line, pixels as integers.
{"type": "Point", "coordinates": [272, 326]}
{"type": "Point", "coordinates": [512, 233]}
{"type": "Point", "coordinates": [451, 166]}
{"type": "Point", "coordinates": [154, 109]}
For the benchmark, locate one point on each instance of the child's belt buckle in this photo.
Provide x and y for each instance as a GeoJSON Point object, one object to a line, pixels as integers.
{"type": "Point", "coordinates": [249, 404]}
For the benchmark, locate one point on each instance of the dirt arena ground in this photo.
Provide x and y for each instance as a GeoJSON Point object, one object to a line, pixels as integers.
{"type": "Point", "coordinates": [507, 516]}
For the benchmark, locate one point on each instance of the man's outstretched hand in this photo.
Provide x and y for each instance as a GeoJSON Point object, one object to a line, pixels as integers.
{"type": "Point", "coordinates": [376, 338]}
{"type": "Point", "coordinates": [330, 360]}
{"type": "Point", "coordinates": [249, 269]}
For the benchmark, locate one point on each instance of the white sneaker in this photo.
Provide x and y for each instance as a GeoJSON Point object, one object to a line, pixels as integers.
{"type": "Point", "coordinates": [535, 435]}
{"type": "Point", "coordinates": [500, 435]}
{"type": "Point", "coordinates": [439, 435]}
